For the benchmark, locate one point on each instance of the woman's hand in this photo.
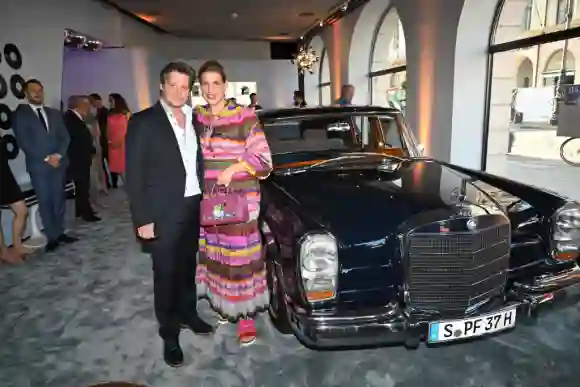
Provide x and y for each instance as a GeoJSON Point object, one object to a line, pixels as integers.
{"type": "Point", "coordinates": [225, 177]}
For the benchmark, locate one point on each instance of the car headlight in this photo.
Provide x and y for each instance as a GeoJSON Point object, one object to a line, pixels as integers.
{"type": "Point", "coordinates": [319, 266]}
{"type": "Point", "coordinates": [566, 234]}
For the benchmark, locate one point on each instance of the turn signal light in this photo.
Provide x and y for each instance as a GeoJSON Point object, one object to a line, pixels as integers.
{"type": "Point", "coordinates": [322, 295]}
{"type": "Point", "coordinates": [566, 255]}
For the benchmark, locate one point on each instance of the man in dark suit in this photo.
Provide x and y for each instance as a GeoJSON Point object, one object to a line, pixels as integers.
{"type": "Point", "coordinates": [80, 154]}
{"type": "Point", "coordinates": [164, 179]}
{"type": "Point", "coordinates": [41, 134]}
{"type": "Point", "coordinates": [102, 114]}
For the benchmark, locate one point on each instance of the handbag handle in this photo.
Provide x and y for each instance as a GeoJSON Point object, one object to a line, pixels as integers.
{"type": "Point", "coordinates": [215, 192]}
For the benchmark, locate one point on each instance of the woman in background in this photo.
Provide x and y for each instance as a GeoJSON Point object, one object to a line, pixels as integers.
{"type": "Point", "coordinates": [117, 122]}
{"type": "Point", "coordinates": [231, 272]}
{"type": "Point", "coordinates": [11, 195]}
{"type": "Point", "coordinates": [98, 175]}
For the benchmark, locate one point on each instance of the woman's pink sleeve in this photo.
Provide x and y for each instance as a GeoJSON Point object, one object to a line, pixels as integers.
{"type": "Point", "coordinates": [257, 158]}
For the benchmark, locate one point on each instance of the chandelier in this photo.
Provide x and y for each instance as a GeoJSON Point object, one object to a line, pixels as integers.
{"type": "Point", "coordinates": [305, 59]}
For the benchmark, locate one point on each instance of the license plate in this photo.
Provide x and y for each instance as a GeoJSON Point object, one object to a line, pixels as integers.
{"type": "Point", "coordinates": [444, 331]}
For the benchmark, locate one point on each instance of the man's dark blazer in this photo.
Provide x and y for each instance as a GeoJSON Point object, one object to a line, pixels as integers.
{"type": "Point", "coordinates": [81, 148]}
{"type": "Point", "coordinates": [155, 174]}
{"type": "Point", "coordinates": [36, 142]}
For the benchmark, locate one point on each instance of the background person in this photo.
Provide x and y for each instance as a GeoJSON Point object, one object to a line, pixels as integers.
{"type": "Point", "coordinates": [101, 112]}
{"type": "Point", "coordinates": [346, 95]}
{"type": "Point", "coordinates": [44, 139]}
{"type": "Point", "coordinates": [11, 195]}
{"type": "Point", "coordinates": [81, 152]}
{"type": "Point", "coordinates": [117, 123]}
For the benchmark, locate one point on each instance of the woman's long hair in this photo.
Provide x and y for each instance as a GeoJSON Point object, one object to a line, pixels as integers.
{"type": "Point", "coordinates": [119, 104]}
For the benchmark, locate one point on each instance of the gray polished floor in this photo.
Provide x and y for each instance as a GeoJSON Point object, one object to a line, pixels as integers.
{"type": "Point", "coordinates": [84, 315]}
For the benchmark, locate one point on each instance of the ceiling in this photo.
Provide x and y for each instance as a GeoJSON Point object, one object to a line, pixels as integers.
{"type": "Point", "coordinates": [229, 19]}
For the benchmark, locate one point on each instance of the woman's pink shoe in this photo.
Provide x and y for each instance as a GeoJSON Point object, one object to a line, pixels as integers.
{"type": "Point", "coordinates": [247, 332]}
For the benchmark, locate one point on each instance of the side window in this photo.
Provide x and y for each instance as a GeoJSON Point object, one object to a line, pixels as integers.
{"type": "Point", "coordinates": [392, 136]}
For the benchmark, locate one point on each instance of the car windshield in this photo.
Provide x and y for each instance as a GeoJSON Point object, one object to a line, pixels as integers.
{"type": "Point", "coordinates": [336, 132]}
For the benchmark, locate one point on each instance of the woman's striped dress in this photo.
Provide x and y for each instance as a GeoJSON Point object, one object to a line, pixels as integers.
{"type": "Point", "coordinates": [231, 271]}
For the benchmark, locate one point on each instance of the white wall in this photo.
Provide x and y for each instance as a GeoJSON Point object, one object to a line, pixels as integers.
{"type": "Point", "coordinates": [131, 72]}
{"type": "Point", "coordinates": [276, 79]}
{"type": "Point", "coordinates": [41, 37]}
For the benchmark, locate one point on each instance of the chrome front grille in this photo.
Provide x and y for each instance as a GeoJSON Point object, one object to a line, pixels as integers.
{"type": "Point", "coordinates": [452, 271]}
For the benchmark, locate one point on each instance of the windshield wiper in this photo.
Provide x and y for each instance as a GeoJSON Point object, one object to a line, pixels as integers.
{"type": "Point", "coordinates": [350, 156]}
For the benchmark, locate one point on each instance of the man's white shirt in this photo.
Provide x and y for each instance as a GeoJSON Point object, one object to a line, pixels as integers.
{"type": "Point", "coordinates": [187, 141]}
{"type": "Point", "coordinates": [42, 111]}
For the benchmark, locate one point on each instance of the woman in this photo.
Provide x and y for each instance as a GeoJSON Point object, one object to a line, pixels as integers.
{"type": "Point", "coordinates": [231, 271]}
{"type": "Point", "coordinates": [98, 176]}
{"type": "Point", "coordinates": [117, 122]}
{"type": "Point", "coordinates": [11, 195]}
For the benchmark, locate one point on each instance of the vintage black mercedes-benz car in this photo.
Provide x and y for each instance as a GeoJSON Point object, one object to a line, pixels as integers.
{"type": "Point", "coordinates": [369, 243]}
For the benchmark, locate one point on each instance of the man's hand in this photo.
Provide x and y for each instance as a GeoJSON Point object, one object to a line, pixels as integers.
{"type": "Point", "coordinates": [53, 160]}
{"type": "Point", "coordinates": [146, 232]}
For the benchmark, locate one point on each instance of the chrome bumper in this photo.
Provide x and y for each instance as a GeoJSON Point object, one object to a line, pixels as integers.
{"type": "Point", "coordinates": [392, 326]}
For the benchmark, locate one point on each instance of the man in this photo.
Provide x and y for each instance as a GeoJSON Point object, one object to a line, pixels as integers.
{"type": "Point", "coordinates": [102, 112]}
{"type": "Point", "coordinates": [254, 102]}
{"type": "Point", "coordinates": [80, 154]}
{"type": "Point", "coordinates": [42, 136]}
{"type": "Point", "coordinates": [346, 95]}
{"type": "Point", "coordinates": [164, 177]}
{"type": "Point", "coordinates": [298, 99]}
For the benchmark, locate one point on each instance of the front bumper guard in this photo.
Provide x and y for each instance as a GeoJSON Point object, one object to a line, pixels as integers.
{"type": "Point", "coordinates": [391, 325]}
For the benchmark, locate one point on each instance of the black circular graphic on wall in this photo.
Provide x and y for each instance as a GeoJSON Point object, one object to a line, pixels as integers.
{"type": "Point", "coordinates": [5, 117]}
{"type": "Point", "coordinates": [3, 87]}
{"type": "Point", "coordinates": [17, 86]}
{"type": "Point", "coordinates": [13, 56]}
{"type": "Point", "coordinates": [10, 146]}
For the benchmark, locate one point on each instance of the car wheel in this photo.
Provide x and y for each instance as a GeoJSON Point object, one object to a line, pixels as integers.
{"type": "Point", "coordinates": [277, 309]}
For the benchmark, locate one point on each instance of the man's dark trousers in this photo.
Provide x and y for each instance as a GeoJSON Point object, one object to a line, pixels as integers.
{"type": "Point", "coordinates": [174, 254]}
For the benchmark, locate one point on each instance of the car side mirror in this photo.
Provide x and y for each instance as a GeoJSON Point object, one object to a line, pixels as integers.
{"type": "Point", "coordinates": [421, 149]}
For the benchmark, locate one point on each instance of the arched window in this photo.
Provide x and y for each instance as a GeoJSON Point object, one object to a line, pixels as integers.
{"type": "Point", "coordinates": [530, 68]}
{"type": "Point", "coordinates": [388, 64]}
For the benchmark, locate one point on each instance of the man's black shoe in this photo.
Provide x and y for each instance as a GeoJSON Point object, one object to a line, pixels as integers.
{"type": "Point", "coordinates": [197, 326]}
{"type": "Point", "coordinates": [172, 353]}
{"type": "Point", "coordinates": [51, 246]}
{"type": "Point", "coordinates": [91, 218]}
{"type": "Point", "coordinates": [66, 239]}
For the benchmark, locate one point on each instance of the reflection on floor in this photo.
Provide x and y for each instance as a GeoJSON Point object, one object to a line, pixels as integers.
{"type": "Point", "coordinates": [84, 315]}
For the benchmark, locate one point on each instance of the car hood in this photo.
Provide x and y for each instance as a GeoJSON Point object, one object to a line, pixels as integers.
{"type": "Point", "coordinates": [366, 205]}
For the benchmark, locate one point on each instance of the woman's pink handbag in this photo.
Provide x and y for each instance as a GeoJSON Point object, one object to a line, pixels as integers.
{"type": "Point", "coordinates": [221, 208]}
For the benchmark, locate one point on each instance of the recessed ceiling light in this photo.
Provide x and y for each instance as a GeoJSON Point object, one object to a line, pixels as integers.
{"type": "Point", "coordinates": [306, 14]}
{"type": "Point", "coordinates": [234, 15]}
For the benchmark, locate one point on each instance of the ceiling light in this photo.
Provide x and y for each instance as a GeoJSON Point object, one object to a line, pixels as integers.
{"type": "Point", "coordinates": [321, 23]}
{"type": "Point", "coordinates": [235, 15]}
{"type": "Point", "coordinates": [305, 59]}
{"type": "Point", "coordinates": [149, 18]}
{"type": "Point", "coordinates": [74, 39]}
